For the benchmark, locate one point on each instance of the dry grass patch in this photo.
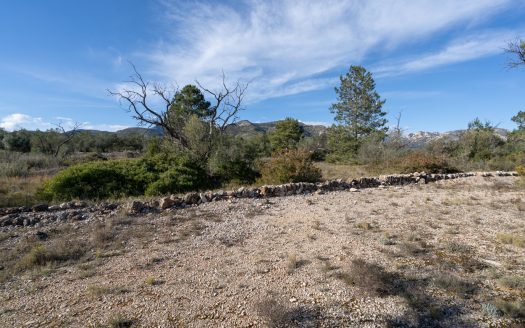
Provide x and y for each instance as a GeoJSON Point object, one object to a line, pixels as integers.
{"type": "Point", "coordinates": [55, 253]}
{"type": "Point", "coordinates": [514, 282]}
{"type": "Point", "coordinates": [369, 278]}
{"type": "Point", "coordinates": [454, 284]}
{"type": "Point", "coordinates": [97, 291]}
{"type": "Point", "coordinates": [456, 247]}
{"type": "Point", "coordinates": [20, 190]}
{"type": "Point", "coordinates": [365, 226]}
{"type": "Point", "coordinates": [511, 239]}
{"type": "Point", "coordinates": [273, 312]}
{"type": "Point", "coordinates": [513, 308]}
{"type": "Point", "coordinates": [122, 321]}
{"type": "Point", "coordinates": [344, 171]}
{"type": "Point", "coordinates": [152, 281]}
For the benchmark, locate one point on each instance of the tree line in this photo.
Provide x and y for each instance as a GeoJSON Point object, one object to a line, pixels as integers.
{"type": "Point", "coordinates": [196, 151]}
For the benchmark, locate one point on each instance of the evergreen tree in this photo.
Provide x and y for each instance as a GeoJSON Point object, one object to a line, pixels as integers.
{"type": "Point", "coordinates": [358, 109]}
{"type": "Point", "coordinates": [286, 135]}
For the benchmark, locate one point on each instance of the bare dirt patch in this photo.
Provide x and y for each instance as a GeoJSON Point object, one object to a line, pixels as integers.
{"type": "Point", "coordinates": [445, 254]}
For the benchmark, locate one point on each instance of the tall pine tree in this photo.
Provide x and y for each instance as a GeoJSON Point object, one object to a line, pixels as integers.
{"type": "Point", "coordinates": [358, 111]}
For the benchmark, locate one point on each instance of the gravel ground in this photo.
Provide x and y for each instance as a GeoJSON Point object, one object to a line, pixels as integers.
{"type": "Point", "coordinates": [413, 256]}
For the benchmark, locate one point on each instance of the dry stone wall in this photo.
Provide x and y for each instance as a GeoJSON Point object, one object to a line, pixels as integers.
{"type": "Point", "coordinates": [82, 211]}
{"type": "Point", "coordinates": [289, 189]}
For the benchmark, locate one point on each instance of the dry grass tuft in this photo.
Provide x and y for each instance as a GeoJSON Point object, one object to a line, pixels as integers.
{"type": "Point", "coordinates": [121, 321]}
{"type": "Point", "coordinates": [511, 239]}
{"type": "Point", "coordinates": [98, 291]}
{"type": "Point", "coordinates": [454, 284]}
{"type": "Point", "coordinates": [274, 313]}
{"type": "Point", "coordinates": [57, 252]}
{"type": "Point", "coordinates": [513, 282]}
{"type": "Point", "coordinates": [370, 278]}
{"type": "Point", "coordinates": [456, 247]}
{"type": "Point", "coordinates": [364, 226]}
{"type": "Point", "coordinates": [514, 309]}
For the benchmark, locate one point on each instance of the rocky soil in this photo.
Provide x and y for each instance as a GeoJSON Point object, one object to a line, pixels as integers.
{"type": "Point", "coordinates": [448, 253]}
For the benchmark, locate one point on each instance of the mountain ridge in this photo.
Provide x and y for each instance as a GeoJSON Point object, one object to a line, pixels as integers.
{"type": "Point", "coordinates": [246, 128]}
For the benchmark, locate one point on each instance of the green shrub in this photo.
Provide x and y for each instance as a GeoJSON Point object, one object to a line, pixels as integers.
{"type": "Point", "coordinates": [180, 178]}
{"type": "Point", "coordinates": [421, 161]}
{"type": "Point", "coordinates": [152, 175]}
{"type": "Point", "coordinates": [521, 170]}
{"type": "Point", "coordinates": [290, 166]}
{"type": "Point", "coordinates": [99, 180]}
{"type": "Point", "coordinates": [286, 135]}
{"type": "Point", "coordinates": [234, 159]}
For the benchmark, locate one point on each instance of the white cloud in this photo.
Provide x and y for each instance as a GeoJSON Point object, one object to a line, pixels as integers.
{"type": "Point", "coordinates": [316, 123]}
{"type": "Point", "coordinates": [19, 121]}
{"type": "Point", "coordinates": [461, 50]}
{"type": "Point", "coordinates": [286, 47]}
{"type": "Point", "coordinates": [104, 127]}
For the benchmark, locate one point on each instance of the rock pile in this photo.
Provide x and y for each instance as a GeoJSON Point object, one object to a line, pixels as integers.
{"type": "Point", "coordinates": [42, 214]}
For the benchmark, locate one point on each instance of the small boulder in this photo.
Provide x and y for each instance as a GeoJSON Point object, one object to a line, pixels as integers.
{"type": "Point", "coordinates": [41, 235]}
{"type": "Point", "coordinates": [39, 208]}
{"type": "Point", "coordinates": [191, 198]}
{"type": "Point", "coordinates": [136, 207]}
{"type": "Point", "coordinates": [166, 202]}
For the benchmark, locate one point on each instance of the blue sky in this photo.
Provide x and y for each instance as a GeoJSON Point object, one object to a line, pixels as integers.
{"type": "Point", "coordinates": [439, 63]}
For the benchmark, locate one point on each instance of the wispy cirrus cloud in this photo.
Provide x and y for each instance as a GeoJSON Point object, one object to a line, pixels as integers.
{"type": "Point", "coordinates": [460, 50]}
{"type": "Point", "coordinates": [289, 47]}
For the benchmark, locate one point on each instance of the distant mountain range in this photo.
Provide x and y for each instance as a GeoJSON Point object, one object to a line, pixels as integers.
{"type": "Point", "coordinates": [421, 138]}
{"type": "Point", "coordinates": [247, 128]}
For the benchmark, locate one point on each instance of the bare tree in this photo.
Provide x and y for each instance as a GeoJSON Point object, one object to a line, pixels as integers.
{"type": "Point", "coordinates": [516, 48]}
{"type": "Point", "coordinates": [228, 104]}
{"type": "Point", "coordinates": [50, 145]}
{"type": "Point", "coordinates": [396, 136]}
{"type": "Point", "coordinates": [139, 99]}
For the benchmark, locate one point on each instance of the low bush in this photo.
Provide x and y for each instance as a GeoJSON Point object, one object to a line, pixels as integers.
{"type": "Point", "coordinates": [99, 180]}
{"type": "Point", "coordinates": [290, 166]}
{"type": "Point", "coordinates": [234, 159]}
{"type": "Point", "coordinates": [151, 175]}
{"type": "Point", "coordinates": [521, 170]}
{"type": "Point", "coordinates": [425, 162]}
{"type": "Point", "coordinates": [180, 178]}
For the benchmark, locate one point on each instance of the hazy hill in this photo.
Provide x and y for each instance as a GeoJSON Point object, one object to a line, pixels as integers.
{"type": "Point", "coordinates": [247, 128]}
{"type": "Point", "coordinates": [421, 138]}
